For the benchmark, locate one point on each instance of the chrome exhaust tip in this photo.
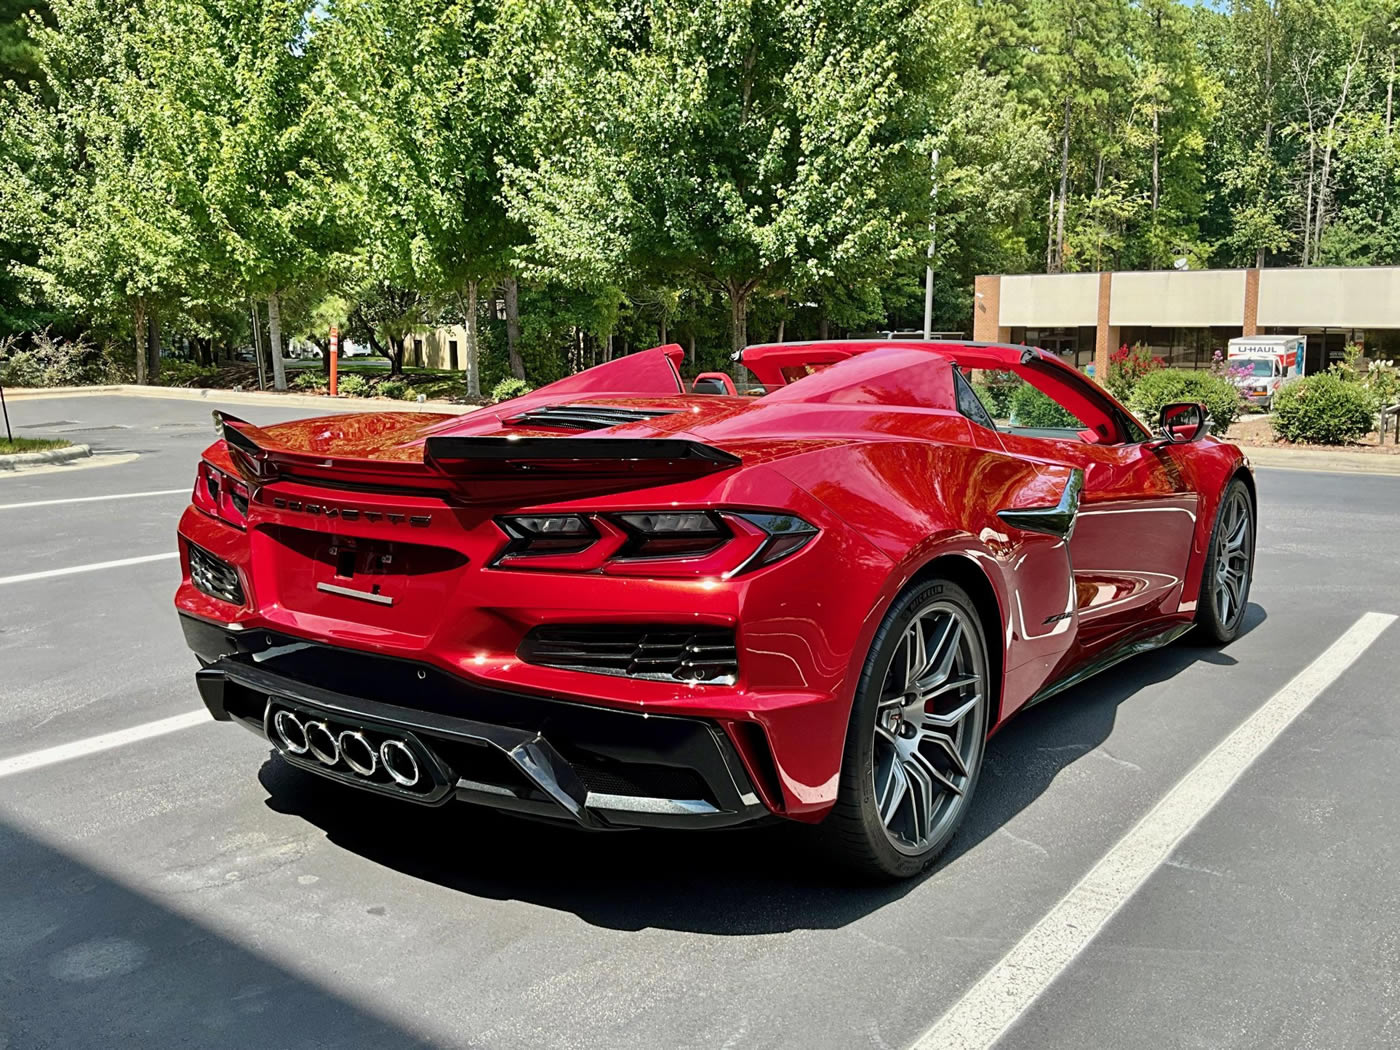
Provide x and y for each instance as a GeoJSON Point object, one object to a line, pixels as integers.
{"type": "Point", "coordinates": [399, 762]}
{"type": "Point", "coordinates": [290, 732]}
{"type": "Point", "coordinates": [359, 753]}
{"type": "Point", "coordinates": [322, 743]}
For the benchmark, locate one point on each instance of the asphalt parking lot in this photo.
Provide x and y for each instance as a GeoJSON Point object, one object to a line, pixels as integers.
{"type": "Point", "coordinates": [186, 889]}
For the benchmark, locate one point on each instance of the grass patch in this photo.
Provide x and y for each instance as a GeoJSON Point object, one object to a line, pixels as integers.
{"type": "Point", "coordinates": [8, 447]}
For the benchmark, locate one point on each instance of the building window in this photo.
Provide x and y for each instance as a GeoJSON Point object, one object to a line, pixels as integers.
{"type": "Point", "coordinates": [418, 352]}
{"type": "Point", "coordinates": [452, 354]}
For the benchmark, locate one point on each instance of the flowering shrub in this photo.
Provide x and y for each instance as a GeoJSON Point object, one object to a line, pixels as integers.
{"type": "Point", "coordinates": [995, 389]}
{"type": "Point", "coordinates": [1127, 366]}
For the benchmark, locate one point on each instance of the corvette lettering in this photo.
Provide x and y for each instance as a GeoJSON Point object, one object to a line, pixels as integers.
{"type": "Point", "coordinates": [327, 510]}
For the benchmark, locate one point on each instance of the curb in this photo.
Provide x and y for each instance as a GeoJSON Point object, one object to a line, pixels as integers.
{"type": "Point", "coordinates": [53, 455]}
{"type": "Point", "coordinates": [247, 397]}
{"type": "Point", "coordinates": [1329, 462]}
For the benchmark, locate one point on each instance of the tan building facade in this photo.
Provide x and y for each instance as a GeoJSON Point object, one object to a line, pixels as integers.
{"type": "Point", "coordinates": [1185, 316]}
{"type": "Point", "coordinates": [440, 348]}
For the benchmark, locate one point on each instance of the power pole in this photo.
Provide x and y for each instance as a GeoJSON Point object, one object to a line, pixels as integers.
{"type": "Point", "coordinates": [932, 241]}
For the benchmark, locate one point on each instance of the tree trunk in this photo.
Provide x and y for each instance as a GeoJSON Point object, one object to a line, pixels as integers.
{"type": "Point", "coordinates": [512, 290]}
{"type": "Point", "coordinates": [1064, 191]}
{"type": "Point", "coordinates": [738, 315]}
{"type": "Point", "coordinates": [782, 322]}
{"type": "Point", "coordinates": [153, 347]}
{"type": "Point", "coordinates": [1156, 162]}
{"type": "Point", "coordinates": [607, 350]}
{"type": "Point", "coordinates": [692, 347]}
{"type": "Point", "coordinates": [473, 369]}
{"type": "Point", "coordinates": [1050, 234]}
{"type": "Point", "coordinates": [1389, 92]}
{"type": "Point", "coordinates": [1308, 207]}
{"type": "Point", "coordinates": [823, 327]}
{"type": "Point", "coordinates": [138, 339]}
{"type": "Point", "coordinates": [274, 327]}
{"type": "Point", "coordinates": [663, 330]}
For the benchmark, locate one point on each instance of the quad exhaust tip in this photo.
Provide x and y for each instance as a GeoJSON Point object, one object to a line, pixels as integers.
{"type": "Point", "coordinates": [351, 746]}
{"type": "Point", "coordinates": [359, 753]}
{"type": "Point", "coordinates": [399, 762]}
{"type": "Point", "coordinates": [322, 743]}
{"type": "Point", "coordinates": [290, 732]}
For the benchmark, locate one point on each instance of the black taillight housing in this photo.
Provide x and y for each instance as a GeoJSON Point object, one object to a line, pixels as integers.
{"type": "Point", "coordinates": [221, 495]}
{"type": "Point", "coordinates": [548, 533]}
{"type": "Point", "coordinates": [671, 534]}
{"type": "Point", "coordinates": [787, 534]}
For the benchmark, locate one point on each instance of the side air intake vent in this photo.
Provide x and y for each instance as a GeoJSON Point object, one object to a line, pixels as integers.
{"type": "Point", "coordinates": [215, 577]}
{"type": "Point", "coordinates": [586, 417]}
{"type": "Point", "coordinates": [685, 654]}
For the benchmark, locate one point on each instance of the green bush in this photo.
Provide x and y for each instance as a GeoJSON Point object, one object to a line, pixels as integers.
{"type": "Point", "coordinates": [1323, 409]}
{"type": "Point", "coordinates": [1382, 380]}
{"type": "Point", "coordinates": [995, 390]}
{"type": "Point", "coordinates": [1164, 386]}
{"type": "Point", "coordinates": [1031, 408]}
{"type": "Point", "coordinates": [184, 373]}
{"type": "Point", "coordinates": [395, 388]}
{"type": "Point", "coordinates": [44, 360]}
{"type": "Point", "coordinates": [308, 380]}
{"type": "Point", "coordinates": [353, 386]}
{"type": "Point", "coordinates": [509, 388]}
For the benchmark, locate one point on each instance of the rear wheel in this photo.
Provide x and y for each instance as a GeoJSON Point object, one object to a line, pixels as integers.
{"type": "Point", "coordinates": [1229, 568]}
{"type": "Point", "coordinates": [917, 733]}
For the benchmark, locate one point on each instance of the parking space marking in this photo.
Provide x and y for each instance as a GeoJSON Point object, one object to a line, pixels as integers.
{"type": "Point", "coordinates": [102, 742]}
{"type": "Point", "coordinates": [93, 567]}
{"type": "Point", "coordinates": [93, 499]}
{"type": "Point", "coordinates": [1007, 990]}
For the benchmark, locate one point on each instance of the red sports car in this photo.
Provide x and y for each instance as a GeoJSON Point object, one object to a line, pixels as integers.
{"type": "Point", "coordinates": [621, 603]}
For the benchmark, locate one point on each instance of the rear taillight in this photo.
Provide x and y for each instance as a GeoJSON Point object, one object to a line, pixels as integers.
{"type": "Point", "coordinates": [652, 543]}
{"type": "Point", "coordinates": [221, 495]}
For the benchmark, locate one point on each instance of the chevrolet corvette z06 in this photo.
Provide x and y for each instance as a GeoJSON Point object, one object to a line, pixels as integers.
{"type": "Point", "coordinates": [622, 602]}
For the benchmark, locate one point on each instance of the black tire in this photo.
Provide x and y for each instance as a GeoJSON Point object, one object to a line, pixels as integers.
{"type": "Point", "coordinates": [1229, 569]}
{"type": "Point", "coordinates": [894, 724]}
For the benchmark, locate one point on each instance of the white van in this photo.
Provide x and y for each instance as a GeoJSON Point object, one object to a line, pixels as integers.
{"type": "Point", "coordinates": [1260, 364]}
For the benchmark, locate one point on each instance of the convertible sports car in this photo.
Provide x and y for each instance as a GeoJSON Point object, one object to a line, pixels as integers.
{"type": "Point", "coordinates": [620, 603]}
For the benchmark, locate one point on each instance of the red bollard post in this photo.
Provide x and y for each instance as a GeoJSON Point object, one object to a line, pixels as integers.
{"type": "Point", "coordinates": [335, 358]}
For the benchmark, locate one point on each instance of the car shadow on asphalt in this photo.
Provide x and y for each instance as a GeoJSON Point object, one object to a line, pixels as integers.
{"type": "Point", "coordinates": [88, 962]}
{"type": "Point", "coordinates": [771, 878]}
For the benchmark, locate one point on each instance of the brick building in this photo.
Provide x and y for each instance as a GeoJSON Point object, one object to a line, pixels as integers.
{"type": "Point", "coordinates": [1184, 316]}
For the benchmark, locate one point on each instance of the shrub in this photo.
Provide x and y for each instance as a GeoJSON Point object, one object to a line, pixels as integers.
{"type": "Point", "coordinates": [1126, 368]}
{"type": "Point", "coordinates": [1382, 380]}
{"type": "Point", "coordinates": [508, 388]}
{"type": "Point", "coordinates": [1031, 408]}
{"type": "Point", "coordinates": [353, 386]}
{"type": "Point", "coordinates": [395, 388]}
{"type": "Point", "coordinates": [995, 390]}
{"type": "Point", "coordinates": [1162, 387]}
{"type": "Point", "coordinates": [184, 373]}
{"type": "Point", "coordinates": [47, 361]}
{"type": "Point", "coordinates": [1323, 409]}
{"type": "Point", "coordinates": [308, 380]}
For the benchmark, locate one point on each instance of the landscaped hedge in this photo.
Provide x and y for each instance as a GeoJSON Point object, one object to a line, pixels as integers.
{"type": "Point", "coordinates": [1162, 387]}
{"type": "Point", "coordinates": [1323, 409]}
{"type": "Point", "coordinates": [1031, 408]}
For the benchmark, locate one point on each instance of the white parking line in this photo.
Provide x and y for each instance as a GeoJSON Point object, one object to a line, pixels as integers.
{"type": "Point", "coordinates": [45, 574]}
{"type": "Point", "coordinates": [1004, 993]}
{"type": "Point", "coordinates": [102, 742]}
{"type": "Point", "coordinates": [93, 499]}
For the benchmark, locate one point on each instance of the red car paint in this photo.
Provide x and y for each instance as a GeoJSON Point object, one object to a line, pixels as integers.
{"type": "Point", "coordinates": [870, 448]}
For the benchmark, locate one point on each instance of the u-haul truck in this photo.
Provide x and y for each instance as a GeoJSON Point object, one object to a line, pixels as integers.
{"type": "Point", "coordinates": [1260, 364]}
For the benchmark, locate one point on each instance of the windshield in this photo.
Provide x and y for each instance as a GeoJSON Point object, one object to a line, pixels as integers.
{"type": "Point", "coordinates": [1257, 366]}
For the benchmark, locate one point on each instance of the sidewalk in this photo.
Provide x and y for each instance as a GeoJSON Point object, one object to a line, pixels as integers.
{"type": "Point", "coordinates": [1314, 459]}
{"type": "Point", "coordinates": [314, 402]}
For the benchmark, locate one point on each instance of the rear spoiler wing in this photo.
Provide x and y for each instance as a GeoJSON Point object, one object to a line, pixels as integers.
{"type": "Point", "coordinates": [450, 460]}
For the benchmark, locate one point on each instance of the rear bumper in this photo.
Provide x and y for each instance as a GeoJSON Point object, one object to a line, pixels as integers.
{"type": "Point", "coordinates": [597, 767]}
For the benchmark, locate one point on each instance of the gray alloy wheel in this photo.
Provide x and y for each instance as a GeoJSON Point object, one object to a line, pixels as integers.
{"type": "Point", "coordinates": [1229, 569]}
{"type": "Point", "coordinates": [918, 729]}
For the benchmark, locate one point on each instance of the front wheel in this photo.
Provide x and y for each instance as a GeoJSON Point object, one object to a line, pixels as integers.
{"type": "Point", "coordinates": [1229, 568]}
{"type": "Point", "coordinates": [916, 737]}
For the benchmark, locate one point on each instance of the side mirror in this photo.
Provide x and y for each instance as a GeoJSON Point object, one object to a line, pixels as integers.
{"type": "Point", "coordinates": [1182, 422]}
